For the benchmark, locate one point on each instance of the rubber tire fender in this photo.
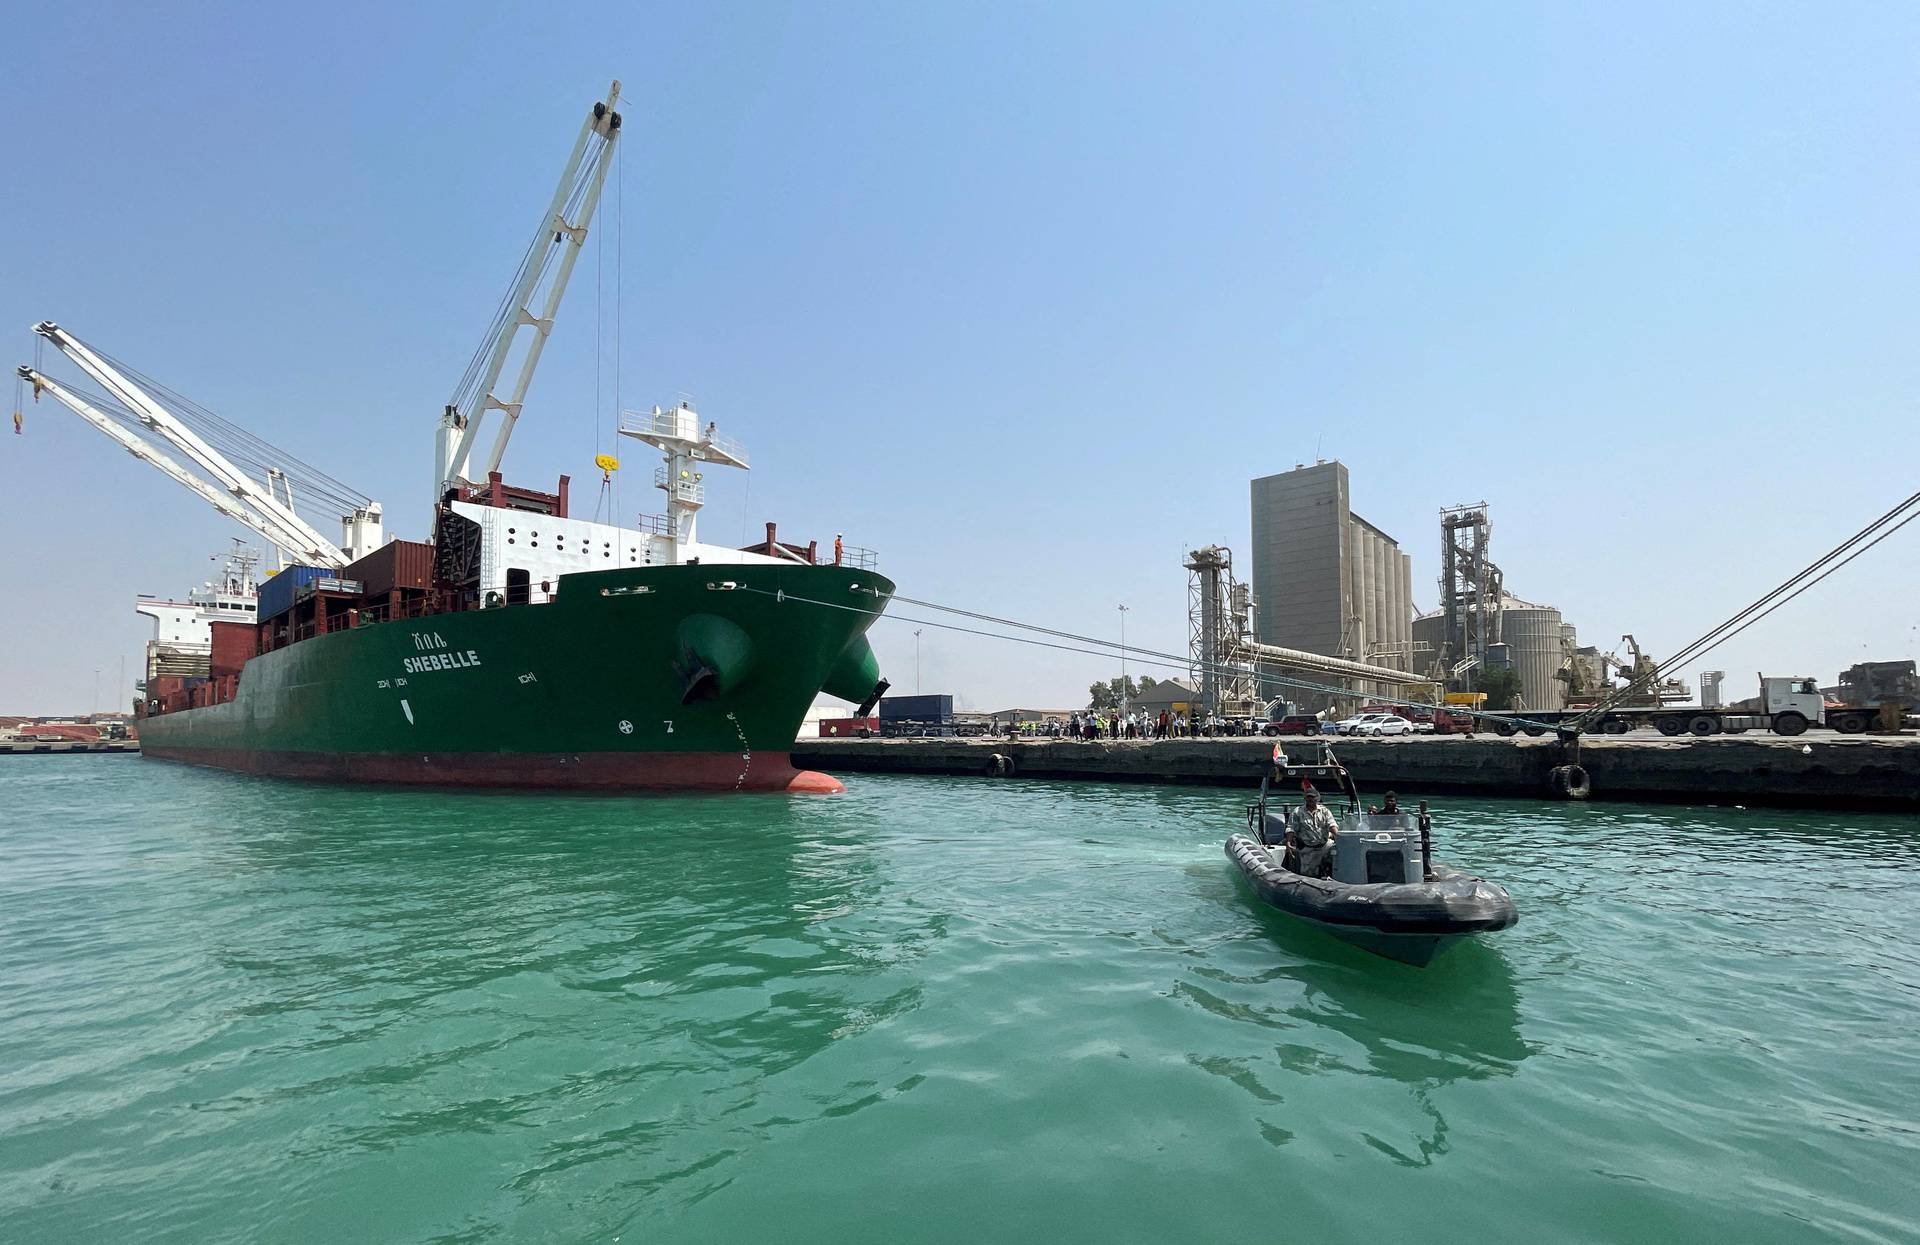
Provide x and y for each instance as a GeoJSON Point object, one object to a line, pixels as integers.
{"type": "Point", "coordinates": [1570, 781]}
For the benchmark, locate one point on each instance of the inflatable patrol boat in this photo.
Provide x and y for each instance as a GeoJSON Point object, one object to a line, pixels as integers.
{"type": "Point", "coordinates": [1385, 894]}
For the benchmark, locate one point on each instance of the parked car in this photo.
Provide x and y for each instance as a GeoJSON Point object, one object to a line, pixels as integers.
{"type": "Point", "coordinates": [1294, 724]}
{"type": "Point", "coordinates": [1374, 724]}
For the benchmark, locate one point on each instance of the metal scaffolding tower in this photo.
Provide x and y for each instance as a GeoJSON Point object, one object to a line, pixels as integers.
{"type": "Point", "coordinates": [1219, 632]}
{"type": "Point", "coordinates": [1472, 590]}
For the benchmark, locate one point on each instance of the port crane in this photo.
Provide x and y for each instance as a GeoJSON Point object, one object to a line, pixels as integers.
{"type": "Point", "coordinates": [541, 278]}
{"type": "Point", "coordinates": [147, 429]}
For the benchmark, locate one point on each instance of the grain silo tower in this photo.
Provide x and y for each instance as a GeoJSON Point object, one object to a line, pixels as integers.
{"type": "Point", "coordinates": [1430, 643]}
{"type": "Point", "coordinates": [1537, 640]}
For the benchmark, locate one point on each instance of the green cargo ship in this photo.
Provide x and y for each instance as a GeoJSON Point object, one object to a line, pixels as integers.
{"type": "Point", "coordinates": [521, 646]}
{"type": "Point", "coordinates": [666, 677]}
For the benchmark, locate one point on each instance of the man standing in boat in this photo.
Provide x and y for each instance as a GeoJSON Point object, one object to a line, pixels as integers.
{"type": "Point", "coordinates": [1310, 832]}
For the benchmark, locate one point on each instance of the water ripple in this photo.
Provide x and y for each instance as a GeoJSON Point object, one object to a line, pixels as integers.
{"type": "Point", "coordinates": [239, 1010]}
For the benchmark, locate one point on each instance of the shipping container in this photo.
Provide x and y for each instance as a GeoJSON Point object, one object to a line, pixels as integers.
{"type": "Point", "coordinates": [233, 647]}
{"type": "Point", "coordinates": [838, 728]}
{"type": "Point", "coordinates": [396, 564]}
{"type": "Point", "coordinates": [277, 593]}
{"type": "Point", "coordinates": [327, 583]}
{"type": "Point", "coordinates": [929, 708]}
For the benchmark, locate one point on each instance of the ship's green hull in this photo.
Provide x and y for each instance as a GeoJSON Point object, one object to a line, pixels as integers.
{"type": "Point", "coordinates": [583, 691]}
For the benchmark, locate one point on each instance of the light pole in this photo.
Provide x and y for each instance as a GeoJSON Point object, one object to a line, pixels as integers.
{"type": "Point", "coordinates": [916, 661]}
{"type": "Point", "coordinates": [1123, 660]}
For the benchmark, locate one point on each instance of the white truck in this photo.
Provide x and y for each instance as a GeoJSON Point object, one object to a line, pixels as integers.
{"type": "Point", "coordinates": [1788, 706]}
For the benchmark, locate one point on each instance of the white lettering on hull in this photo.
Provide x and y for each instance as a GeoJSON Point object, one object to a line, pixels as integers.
{"type": "Point", "coordinates": [458, 659]}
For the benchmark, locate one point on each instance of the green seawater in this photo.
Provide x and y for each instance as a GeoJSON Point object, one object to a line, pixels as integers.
{"type": "Point", "coordinates": [928, 1010]}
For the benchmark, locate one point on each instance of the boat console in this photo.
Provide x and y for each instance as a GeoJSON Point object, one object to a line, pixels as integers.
{"type": "Point", "coordinates": [1378, 847]}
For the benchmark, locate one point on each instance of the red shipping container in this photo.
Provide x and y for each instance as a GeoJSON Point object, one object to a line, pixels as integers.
{"type": "Point", "coordinates": [233, 647]}
{"type": "Point", "coordinates": [396, 564]}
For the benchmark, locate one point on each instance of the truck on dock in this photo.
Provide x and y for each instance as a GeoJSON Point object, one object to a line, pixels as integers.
{"type": "Point", "coordinates": [1785, 706]}
{"type": "Point", "coordinates": [928, 716]}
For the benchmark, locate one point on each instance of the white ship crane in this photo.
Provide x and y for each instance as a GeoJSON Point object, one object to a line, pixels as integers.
{"type": "Point", "coordinates": [549, 260]}
{"type": "Point", "coordinates": [146, 424]}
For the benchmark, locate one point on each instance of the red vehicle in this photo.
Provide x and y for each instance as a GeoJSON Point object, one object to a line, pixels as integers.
{"type": "Point", "coordinates": [1293, 724]}
{"type": "Point", "coordinates": [857, 728]}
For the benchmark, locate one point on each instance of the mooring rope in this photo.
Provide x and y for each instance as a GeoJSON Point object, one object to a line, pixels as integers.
{"type": "Point", "coordinates": [1145, 656]}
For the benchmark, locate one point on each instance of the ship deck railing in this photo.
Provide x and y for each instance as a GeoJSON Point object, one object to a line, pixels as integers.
{"type": "Point", "coordinates": [687, 489]}
{"type": "Point", "coordinates": [859, 558]}
{"type": "Point", "coordinates": [683, 424]}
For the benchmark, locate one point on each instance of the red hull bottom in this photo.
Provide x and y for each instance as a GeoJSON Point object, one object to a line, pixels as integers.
{"type": "Point", "coordinates": [585, 771]}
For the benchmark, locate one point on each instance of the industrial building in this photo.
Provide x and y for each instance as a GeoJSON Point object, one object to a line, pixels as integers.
{"type": "Point", "coordinates": [1328, 582]}
{"type": "Point", "coordinates": [1324, 579]}
{"type": "Point", "coordinates": [1530, 638]}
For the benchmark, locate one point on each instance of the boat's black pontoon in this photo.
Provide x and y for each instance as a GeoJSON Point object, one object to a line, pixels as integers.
{"type": "Point", "coordinates": [1386, 895]}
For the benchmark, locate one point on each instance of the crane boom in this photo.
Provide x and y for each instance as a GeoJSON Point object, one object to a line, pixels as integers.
{"type": "Point", "coordinates": [140, 449]}
{"type": "Point", "coordinates": [164, 424]}
{"type": "Point", "coordinates": [460, 428]}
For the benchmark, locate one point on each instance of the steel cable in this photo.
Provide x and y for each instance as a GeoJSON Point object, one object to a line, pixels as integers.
{"type": "Point", "coordinates": [1146, 657]}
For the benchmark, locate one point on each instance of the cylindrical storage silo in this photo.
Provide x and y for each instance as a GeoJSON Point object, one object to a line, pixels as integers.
{"type": "Point", "coordinates": [1533, 637]}
{"type": "Point", "coordinates": [1403, 606]}
{"type": "Point", "coordinates": [1429, 638]}
{"type": "Point", "coordinates": [1378, 633]}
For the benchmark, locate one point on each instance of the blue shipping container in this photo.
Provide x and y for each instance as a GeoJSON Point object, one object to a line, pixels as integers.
{"type": "Point", "coordinates": [277, 593]}
{"type": "Point", "coordinates": [928, 708]}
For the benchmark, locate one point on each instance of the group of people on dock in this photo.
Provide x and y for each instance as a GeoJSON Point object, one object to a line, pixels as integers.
{"type": "Point", "coordinates": [1112, 724]}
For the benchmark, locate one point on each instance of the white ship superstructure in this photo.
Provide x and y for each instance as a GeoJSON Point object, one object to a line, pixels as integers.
{"type": "Point", "coordinates": [182, 642]}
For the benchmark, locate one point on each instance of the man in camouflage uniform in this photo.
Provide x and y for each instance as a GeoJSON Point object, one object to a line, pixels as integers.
{"type": "Point", "coordinates": [1311, 831]}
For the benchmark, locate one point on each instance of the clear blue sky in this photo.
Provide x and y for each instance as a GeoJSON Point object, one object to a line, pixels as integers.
{"type": "Point", "coordinates": [1019, 296]}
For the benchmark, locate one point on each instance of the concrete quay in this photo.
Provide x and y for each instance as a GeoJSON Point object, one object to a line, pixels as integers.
{"type": "Point", "coordinates": [1828, 771]}
{"type": "Point", "coordinates": [68, 747]}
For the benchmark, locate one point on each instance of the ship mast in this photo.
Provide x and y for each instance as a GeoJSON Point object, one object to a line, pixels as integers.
{"type": "Point", "coordinates": [550, 259]}
{"type": "Point", "coordinates": [686, 447]}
